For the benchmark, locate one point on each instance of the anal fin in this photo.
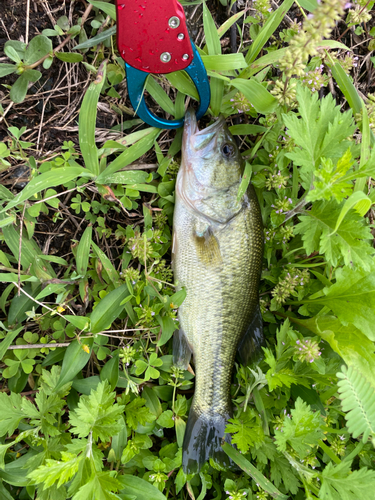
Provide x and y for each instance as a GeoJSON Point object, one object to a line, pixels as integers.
{"type": "Point", "coordinates": [249, 348]}
{"type": "Point", "coordinates": [181, 350]}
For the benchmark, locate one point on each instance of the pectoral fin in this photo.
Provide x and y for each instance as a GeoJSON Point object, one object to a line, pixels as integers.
{"type": "Point", "coordinates": [249, 348]}
{"type": "Point", "coordinates": [208, 249]}
{"type": "Point", "coordinates": [181, 350]}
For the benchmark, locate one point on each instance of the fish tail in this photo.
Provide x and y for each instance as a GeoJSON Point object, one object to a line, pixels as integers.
{"type": "Point", "coordinates": [203, 438]}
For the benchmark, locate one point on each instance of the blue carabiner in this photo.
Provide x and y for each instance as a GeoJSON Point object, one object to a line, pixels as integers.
{"type": "Point", "coordinates": [136, 82]}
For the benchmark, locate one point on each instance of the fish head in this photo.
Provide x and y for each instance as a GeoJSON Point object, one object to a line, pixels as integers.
{"type": "Point", "coordinates": [211, 169]}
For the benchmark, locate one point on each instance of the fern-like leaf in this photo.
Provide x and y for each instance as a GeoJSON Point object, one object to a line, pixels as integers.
{"type": "Point", "coordinates": [358, 399]}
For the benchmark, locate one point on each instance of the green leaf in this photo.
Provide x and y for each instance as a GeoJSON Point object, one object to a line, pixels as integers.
{"type": "Point", "coordinates": [99, 487]}
{"type": "Point", "coordinates": [75, 359]}
{"type": "Point", "coordinates": [309, 5]}
{"type": "Point", "coordinates": [359, 201]}
{"type": "Point", "coordinates": [101, 37]}
{"type": "Point", "coordinates": [141, 489]}
{"type": "Point", "coordinates": [56, 471]}
{"type": "Point", "coordinates": [87, 122]}
{"type": "Point", "coordinates": [347, 87]}
{"type": "Point", "coordinates": [348, 244]}
{"type": "Point", "coordinates": [152, 401]}
{"type": "Point", "coordinates": [260, 98]}
{"type": "Point", "coordinates": [12, 53]}
{"type": "Point", "coordinates": [7, 69]}
{"type": "Point", "coordinates": [160, 96]}
{"type": "Point", "coordinates": [109, 9]}
{"type": "Point", "coordinates": [137, 413]}
{"type": "Point", "coordinates": [110, 371]}
{"type": "Point", "coordinates": [12, 413]}
{"type": "Point", "coordinates": [165, 419]}
{"type": "Point", "coordinates": [38, 47]}
{"type": "Point", "coordinates": [245, 181]}
{"type": "Point", "coordinates": [97, 414]}
{"type": "Point", "coordinates": [341, 483]}
{"type": "Point", "coordinates": [182, 82]}
{"type": "Point", "coordinates": [7, 341]}
{"type": "Point", "coordinates": [83, 251]}
{"type": "Point", "coordinates": [267, 31]}
{"type": "Point", "coordinates": [301, 431]}
{"type": "Point", "coordinates": [322, 131]}
{"type": "Point", "coordinates": [332, 181]}
{"type": "Point", "coordinates": [107, 264]}
{"type": "Point", "coordinates": [357, 398]}
{"type": "Point", "coordinates": [246, 430]}
{"type": "Point", "coordinates": [349, 342]}
{"type": "Point", "coordinates": [168, 327]}
{"type": "Point", "coordinates": [108, 309]}
{"type": "Point", "coordinates": [247, 129]}
{"type": "Point", "coordinates": [19, 89]}
{"type": "Point", "coordinates": [129, 156]}
{"type": "Point", "coordinates": [224, 62]}
{"type": "Point", "coordinates": [127, 177]}
{"type": "Point", "coordinates": [210, 32]}
{"type": "Point", "coordinates": [352, 299]}
{"type": "Point", "coordinates": [70, 57]}
{"type": "Point", "coordinates": [254, 473]}
{"type": "Point", "coordinates": [44, 181]}
{"type": "Point", "coordinates": [270, 58]}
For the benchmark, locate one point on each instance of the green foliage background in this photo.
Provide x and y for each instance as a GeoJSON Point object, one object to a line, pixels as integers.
{"type": "Point", "coordinates": [91, 404]}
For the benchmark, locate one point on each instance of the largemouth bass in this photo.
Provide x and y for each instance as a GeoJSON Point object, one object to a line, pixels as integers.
{"type": "Point", "coordinates": [216, 255]}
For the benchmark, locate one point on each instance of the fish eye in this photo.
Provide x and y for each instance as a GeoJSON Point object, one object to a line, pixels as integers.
{"type": "Point", "coordinates": [228, 150]}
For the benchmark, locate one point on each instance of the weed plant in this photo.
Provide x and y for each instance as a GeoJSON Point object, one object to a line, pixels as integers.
{"type": "Point", "coordinates": [92, 407]}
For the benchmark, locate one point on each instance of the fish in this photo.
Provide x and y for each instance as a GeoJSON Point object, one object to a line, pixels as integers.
{"type": "Point", "coordinates": [217, 249]}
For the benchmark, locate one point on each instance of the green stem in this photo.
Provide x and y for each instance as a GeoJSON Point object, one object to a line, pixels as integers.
{"type": "Point", "coordinates": [329, 452]}
{"type": "Point", "coordinates": [355, 452]}
{"type": "Point", "coordinates": [301, 9]}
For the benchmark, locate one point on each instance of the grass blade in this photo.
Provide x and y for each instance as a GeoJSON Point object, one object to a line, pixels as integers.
{"type": "Point", "coordinates": [267, 31]}
{"type": "Point", "coordinates": [75, 358]}
{"type": "Point", "coordinates": [97, 39]}
{"type": "Point", "coordinates": [257, 476]}
{"type": "Point", "coordinates": [183, 83]}
{"type": "Point", "coordinates": [109, 9]}
{"type": "Point", "coordinates": [260, 98]}
{"type": "Point", "coordinates": [139, 488]}
{"type": "Point", "coordinates": [245, 181]}
{"type": "Point", "coordinates": [130, 155]}
{"type": "Point", "coordinates": [210, 32]}
{"type": "Point", "coordinates": [107, 265]}
{"type": "Point", "coordinates": [83, 251]}
{"type": "Point", "coordinates": [44, 181]}
{"type": "Point", "coordinates": [224, 62]}
{"type": "Point", "coordinates": [87, 122]}
{"type": "Point", "coordinates": [108, 309]}
{"type": "Point", "coordinates": [160, 96]}
{"type": "Point", "coordinates": [347, 88]}
{"type": "Point", "coordinates": [214, 48]}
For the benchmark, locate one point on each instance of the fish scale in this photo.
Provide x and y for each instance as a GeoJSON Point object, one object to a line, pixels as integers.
{"type": "Point", "coordinates": [217, 254]}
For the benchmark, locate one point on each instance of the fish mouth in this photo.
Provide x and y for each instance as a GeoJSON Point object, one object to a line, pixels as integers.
{"type": "Point", "coordinates": [198, 139]}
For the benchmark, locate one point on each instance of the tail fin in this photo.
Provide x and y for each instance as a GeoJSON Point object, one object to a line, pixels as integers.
{"type": "Point", "coordinates": [202, 441]}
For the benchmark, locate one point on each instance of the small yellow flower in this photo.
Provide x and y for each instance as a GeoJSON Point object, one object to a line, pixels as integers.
{"type": "Point", "coordinates": [86, 348]}
{"type": "Point", "coordinates": [60, 309]}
